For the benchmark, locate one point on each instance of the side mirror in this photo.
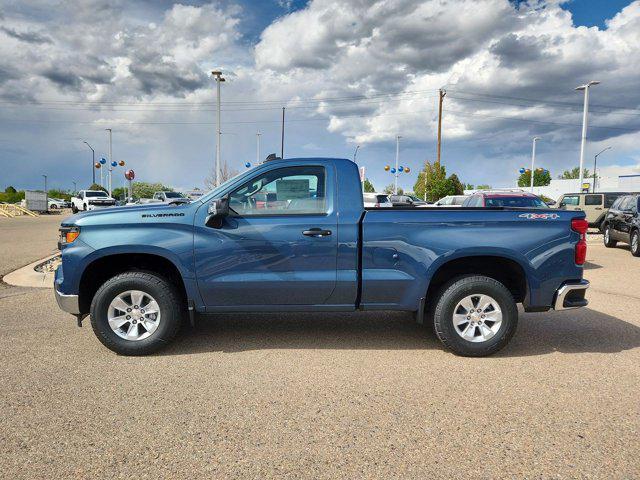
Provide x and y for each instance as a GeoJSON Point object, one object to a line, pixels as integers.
{"type": "Point", "coordinates": [216, 211]}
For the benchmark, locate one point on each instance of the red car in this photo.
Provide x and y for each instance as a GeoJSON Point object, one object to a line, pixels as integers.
{"type": "Point", "coordinates": [504, 198]}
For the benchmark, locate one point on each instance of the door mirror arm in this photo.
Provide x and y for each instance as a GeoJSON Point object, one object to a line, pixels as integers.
{"type": "Point", "coordinates": [217, 210]}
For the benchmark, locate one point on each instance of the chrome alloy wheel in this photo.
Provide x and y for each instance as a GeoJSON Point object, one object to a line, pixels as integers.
{"type": "Point", "coordinates": [477, 318]}
{"type": "Point", "coordinates": [133, 315]}
{"type": "Point", "coordinates": [606, 235]}
{"type": "Point", "coordinates": [634, 242]}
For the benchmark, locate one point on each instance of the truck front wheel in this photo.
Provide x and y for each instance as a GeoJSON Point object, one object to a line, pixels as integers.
{"type": "Point", "coordinates": [475, 316]}
{"type": "Point", "coordinates": [136, 313]}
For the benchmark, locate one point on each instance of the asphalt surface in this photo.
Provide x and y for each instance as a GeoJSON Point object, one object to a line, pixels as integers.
{"type": "Point", "coordinates": [320, 396]}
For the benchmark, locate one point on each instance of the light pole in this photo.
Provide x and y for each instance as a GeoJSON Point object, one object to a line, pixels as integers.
{"type": "Point", "coordinates": [395, 181]}
{"type": "Point", "coordinates": [355, 153]}
{"type": "Point", "coordinates": [75, 187]}
{"type": "Point", "coordinates": [46, 195]}
{"type": "Point", "coordinates": [585, 114]}
{"type": "Point", "coordinates": [93, 161]}
{"type": "Point", "coordinates": [533, 160]}
{"type": "Point", "coordinates": [217, 74]}
{"type": "Point", "coordinates": [595, 164]}
{"type": "Point", "coordinates": [110, 158]}
{"type": "Point", "coordinates": [258, 148]}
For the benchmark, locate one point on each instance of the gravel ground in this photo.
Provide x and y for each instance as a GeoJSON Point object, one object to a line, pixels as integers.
{"type": "Point", "coordinates": [322, 396]}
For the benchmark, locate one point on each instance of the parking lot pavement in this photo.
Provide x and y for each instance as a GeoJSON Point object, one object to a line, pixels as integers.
{"type": "Point", "coordinates": [326, 396]}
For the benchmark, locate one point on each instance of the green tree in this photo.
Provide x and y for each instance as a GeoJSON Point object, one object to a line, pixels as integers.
{"type": "Point", "coordinates": [573, 174]}
{"type": "Point", "coordinates": [468, 186]}
{"type": "Point", "coordinates": [146, 190]}
{"type": "Point", "coordinates": [119, 193]}
{"type": "Point", "coordinates": [55, 193]}
{"type": "Point", "coordinates": [389, 190]}
{"type": "Point", "coordinates": [95, 186]}
{"type": "Point", "coordinates": [483, 187]}
{"type": "Point", "coordinates": [368, 186]}
{"type": "Point", "coordinates": [11, 197]}
{"type": "Point", "coordinates": [10, 189]}
{"type": "Point", "coordinates": [433, 179]}
{"type": "Point", "coordinates": [541, 178]}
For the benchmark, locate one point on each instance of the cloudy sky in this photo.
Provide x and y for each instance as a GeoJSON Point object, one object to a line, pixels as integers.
{"type": "Point", "coordinates": [350, 72]}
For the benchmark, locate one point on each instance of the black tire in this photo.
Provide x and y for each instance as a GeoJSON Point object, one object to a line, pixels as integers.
{"type": "Point", "coordinates": [74, 209]}
{"type": "Point", "coordinates": [448, 299]}
{"type": "Point", "coordinates": [608, 241]}
{"type": "Point", "coordinates": [635, 239]}
{"type": "Point", "coordinates": [53, 206]}
{"type": "Point", "coordinates": [165, 294]}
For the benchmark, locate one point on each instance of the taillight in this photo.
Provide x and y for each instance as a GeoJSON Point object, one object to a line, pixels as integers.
{"type": "Point", "coordinates": [580, 225]}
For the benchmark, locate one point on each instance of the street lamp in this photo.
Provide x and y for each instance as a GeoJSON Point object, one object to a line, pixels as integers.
{"type": "Point", "coordinates": [355, 153]}
{"type": "Point", "coordinates": [395, 181]}
{"type": "Point", "coordinates": [46, 195]}
{"type": "Point", "coordinates": [93, 161]}
{"type": "Point", "coordinates": [219, 79]}
{"type": "Point", "coordinates": [595, 163]}
{"type": "Point", "coordinates": [585, 113]}
{"type": "Point", "coordinates": [75, 187]}
{"type": "Point", "coordinates": [258, 148]}
{"type": "Point", "coordinates": [110, 158]}
{"type": "Point", "coordinates": [533, 159]}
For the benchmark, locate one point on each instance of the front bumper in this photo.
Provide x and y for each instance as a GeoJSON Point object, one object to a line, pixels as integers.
{"type": "Point", "coordinates": [68, 303]}
{"type": "Point", "coordinates": [571, 295]}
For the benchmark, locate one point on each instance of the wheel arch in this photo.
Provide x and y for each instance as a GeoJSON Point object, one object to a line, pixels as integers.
{"type": "Point", "coordinates": [504, 269]}
{"type": "Point", "coordinates": [107, 266]}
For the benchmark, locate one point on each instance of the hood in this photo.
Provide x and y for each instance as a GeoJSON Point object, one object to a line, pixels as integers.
{"type": "Point", "coordinates": [133, 214]}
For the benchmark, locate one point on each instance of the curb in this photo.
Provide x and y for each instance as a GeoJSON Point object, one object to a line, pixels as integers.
{"type": "Point", "coordinates": [28, 277]}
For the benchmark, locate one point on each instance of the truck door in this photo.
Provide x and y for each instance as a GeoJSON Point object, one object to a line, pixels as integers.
{"type": "Point", "coordinates": [278, 246]}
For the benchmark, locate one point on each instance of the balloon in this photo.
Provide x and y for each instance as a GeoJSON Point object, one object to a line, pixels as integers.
{"type": "Point", "coordinates": [103, 161]}
{"type": "Point", "coordinates": [400, 168]}
{"type": "Point", "coordinates": [114, 164]}
{"type": "Point", "coordinates": [407, 169]}
{"type": "Point", "coordinates": [522, 170]}
{"type": "Point", "coordinates": [121, 163]}
{"type": "Point", "coordinates": [386, 168]}
{"type": "Point", "coordinates": [97, 165]}
{"type": "Point", "coordinates": [393, 170]}
{"type": "Point", "coordinates": [248, 165]}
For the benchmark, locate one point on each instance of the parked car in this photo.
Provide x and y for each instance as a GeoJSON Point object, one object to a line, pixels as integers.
{"type": "Point", "coordinates": [504, 198]}
{"type": "Point", "coordinates": [57, 203]}
{"type": "Point", "coordinates": [171, 197]}
{"type": "Point", "coordinates": [594, 205]}
{"type": "Point", "coordinates": [139, 270]}
{"type": "Point", "coordinates": [406, 201]}
{"type": "Point", "coordinates": [91, 199]}
{"type": "Point", "coordinates": [622, 223]}
{"type": "Point", "coordinates": [451, 201]}
{"type": "Point", "coordinates": [376, 200]}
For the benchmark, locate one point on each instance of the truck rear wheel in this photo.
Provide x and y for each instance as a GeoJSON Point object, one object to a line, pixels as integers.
{"type": "Point", "coordinates": [475, 316]}
{"type": "Point", "coordinates": [136, 313]}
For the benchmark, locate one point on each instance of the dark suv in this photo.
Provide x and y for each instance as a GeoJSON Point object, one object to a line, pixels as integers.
{"type": "Point", "coordinates": [622, 224]}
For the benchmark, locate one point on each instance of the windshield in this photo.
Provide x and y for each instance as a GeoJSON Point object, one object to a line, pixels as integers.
{"type": "Point", "coordinates": [459, 200]}
{"type": "Point", "coordinates": [173, 195]}
{"type": "Point", "coordinates": [95, 194]}
{"type": "Point", "coordinates": [504, 201]}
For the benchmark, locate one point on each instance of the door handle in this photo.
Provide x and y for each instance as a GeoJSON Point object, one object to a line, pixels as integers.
{"type": "Point", "coordinates": [598, 208]}
{"type": "Point", "coordinates": [316, 232]}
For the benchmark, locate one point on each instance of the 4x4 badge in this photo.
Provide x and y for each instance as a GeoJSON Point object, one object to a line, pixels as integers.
{"type": "Point", "coordinates": [539, 216]}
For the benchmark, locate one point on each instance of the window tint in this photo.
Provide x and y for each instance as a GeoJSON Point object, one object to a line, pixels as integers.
{"type": "Point", "coordinates": [570, 200]}
{"type": "Point", "coordinates": [609, 199]}
{"type": "Point", "coordinates": [382, 199]}
{"type": "Point", "coordinates": [459, 200]}
{"type": "Point", "coordinates": [95, 194]}
{"type": "Point", "coordinates": [616, 204]}
{"type": "Point", "coordinates": [504, 201]}
{"type": "Point", "coordinates": [285, 191]}
{"type": "Point", "coordinates": [593, 199]}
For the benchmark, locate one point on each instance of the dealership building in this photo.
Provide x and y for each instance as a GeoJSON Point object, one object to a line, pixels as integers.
{"type": "Point", "coordinates": [621, 183]}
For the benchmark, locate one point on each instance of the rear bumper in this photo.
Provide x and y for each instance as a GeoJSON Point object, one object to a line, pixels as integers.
{"type": "Point", "coordinates": [68, 303]}
{"type": "Point", "coordinates": [571, 295]}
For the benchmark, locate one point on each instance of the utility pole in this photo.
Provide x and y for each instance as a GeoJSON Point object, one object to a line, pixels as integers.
{"type": "Point", "coordinates": [282, 136]}
{"type": "Point", "coordinates": [425, 180]}
{"type": "Point", "coordinates": [585, 116]}
{"type": "Point", "coordinates": [595, 164]}
{"type": "Point", "coordinates": [442, 94]}
{"type": "Point", "coordinates": [110, 158]}
{"type": "Point", "coordinates": [258, 148]}
{"type": "Point", "coordinates": [93, 163]}
{"type": "Point", "coordinates": [395, 180]}
{"type": "Point", "coordinates": [75, 187]}
{"type": "Point", "coordinates": [533, 159]}
{"type": "Point", "coordinates": [355, 153]}
{"type": "Point", "coordinates": [219, 79]}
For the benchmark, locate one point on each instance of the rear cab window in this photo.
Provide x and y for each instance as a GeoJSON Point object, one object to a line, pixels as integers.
{"type": "Point", "coordinates": [593, 200]}
{"type": "Point", "coordinates": [570, 200]}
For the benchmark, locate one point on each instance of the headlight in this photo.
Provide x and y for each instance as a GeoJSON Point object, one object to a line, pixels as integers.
{"type": "Point", "coordinates": [68, 234]}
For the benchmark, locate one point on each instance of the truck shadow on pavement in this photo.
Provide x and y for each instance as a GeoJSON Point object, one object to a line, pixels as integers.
{"type": "Point", "coordinates": [579, 331]}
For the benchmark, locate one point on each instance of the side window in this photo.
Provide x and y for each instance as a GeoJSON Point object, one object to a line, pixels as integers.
{"type": "Point", "coordinates": [477, 201]}
{"type": "Point", "coordinates": [593, 200]}
{"type": "Point", "coordinates": [616, 204]}
{"type": "Point", "coordinates": [609, 200]}
{"type": "Point", "coordinates": [570, 200]}
{"type": "Point", "coordinates": [633, 204]}
{"type": "Point", "coordinates": [285, 191]}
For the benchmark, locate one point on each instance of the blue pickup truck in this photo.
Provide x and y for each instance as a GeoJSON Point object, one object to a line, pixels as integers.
{"type": "Point", "coordinates": [293, 235]}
